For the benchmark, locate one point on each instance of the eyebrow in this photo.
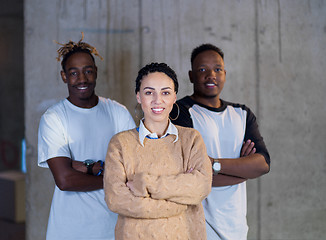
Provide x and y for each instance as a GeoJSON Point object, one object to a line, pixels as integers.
{"type": "Point", "coordinates": [216, 65]}
{"type": "Point", "coordinates": [151, 88]}
{"type": "Point", "coordinates": [73, 68]}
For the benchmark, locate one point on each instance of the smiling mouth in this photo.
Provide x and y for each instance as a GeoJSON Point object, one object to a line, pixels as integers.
{"type": "Point", "coordinates": [82, 87]}
{"type": "Point", "coordinates": [157, 110]}
{"type": "Point", "coordinates": [210, 84]}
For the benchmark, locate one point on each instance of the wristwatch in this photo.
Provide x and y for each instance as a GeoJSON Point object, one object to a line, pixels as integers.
{"type": "Point", "coordinates": [89, 164]}
{"type": "Point", "coordinates": [216, 167]}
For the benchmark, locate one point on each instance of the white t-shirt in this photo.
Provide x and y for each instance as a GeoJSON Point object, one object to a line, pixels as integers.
{"type": "Point", "coordinates": [225, 207]}
{"type": "Point", "coordinates": [66, 130]}
{"type": "Point", "coordinates": [223, 129]}
{"type": "Point", "coordinates": [219, 206]}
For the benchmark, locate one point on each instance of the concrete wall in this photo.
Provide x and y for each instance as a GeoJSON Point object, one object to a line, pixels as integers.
{"type": "Point", "coordinates": [275, 60]}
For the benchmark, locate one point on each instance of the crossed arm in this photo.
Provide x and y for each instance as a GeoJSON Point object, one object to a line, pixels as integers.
{"type": "Point", "coordinates": [68, 175]}
{"type": "Point", "coordinates": [144, 195]}
{"type": "Point", "coordinates": [248, 166]}
{"type": "Point", "coordinates": [121, 200]}
{"type": "Point", "coordinates": [188, 188]}
{"type": "Point", "coordinates": [71, 175]}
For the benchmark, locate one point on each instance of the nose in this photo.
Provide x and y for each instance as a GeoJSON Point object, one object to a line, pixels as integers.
{"type": "Point", "coordinates": [157, 98]}
{"type": "Point", "coordinates": [82, 77]}
{"type": "Point", "coordinates": [211, 74]}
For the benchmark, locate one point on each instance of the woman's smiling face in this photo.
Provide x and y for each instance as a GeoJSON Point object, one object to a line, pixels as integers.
{"type": "Point", "coordinates": [156, 97]}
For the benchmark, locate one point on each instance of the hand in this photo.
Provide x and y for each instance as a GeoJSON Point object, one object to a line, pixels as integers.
{"type": "Point", "coordinates": [190, 170]}
{"type": "Point", "coordinates": [80, 167]}
{"type": "Point", "coordinates": [137, 185]}
{"type": "Point", "coordinates": [97, 168]}
{"type": "Point", "coordinates": [130, 185]}
{"type": "Point", "coordinates": [247, 148]}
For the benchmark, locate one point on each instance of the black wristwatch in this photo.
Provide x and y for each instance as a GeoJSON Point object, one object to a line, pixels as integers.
{"type": "Point", "coordinates": [89, 164]}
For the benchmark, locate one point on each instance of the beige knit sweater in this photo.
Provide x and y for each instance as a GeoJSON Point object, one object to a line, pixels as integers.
{"type": "Point", "coordinates": [167, 200]}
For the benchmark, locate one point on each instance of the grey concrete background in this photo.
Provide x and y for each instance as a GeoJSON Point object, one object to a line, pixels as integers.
{"type": "Point", "coordinates": [275, 61]}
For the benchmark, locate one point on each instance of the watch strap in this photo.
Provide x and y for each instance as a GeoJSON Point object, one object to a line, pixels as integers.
{"type": "Point", "coordinates": [89, 165]}
{"type": "Point", "coordinates": [90, 169]}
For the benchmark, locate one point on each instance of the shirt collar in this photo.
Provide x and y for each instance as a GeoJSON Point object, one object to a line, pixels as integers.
{"type": "Point", "coordinates": [144, 132]}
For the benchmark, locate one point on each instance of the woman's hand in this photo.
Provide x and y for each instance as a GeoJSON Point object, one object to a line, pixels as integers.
{"type": "Point", "coordinates": [130, 185]}
{"type": "Point", "coordinates": [190, 170]}
{"type": "Point", "coordinates": [138, 185]}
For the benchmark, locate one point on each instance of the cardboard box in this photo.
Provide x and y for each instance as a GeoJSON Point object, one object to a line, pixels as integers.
{"type": "Point", "coordinates": [12, 195]}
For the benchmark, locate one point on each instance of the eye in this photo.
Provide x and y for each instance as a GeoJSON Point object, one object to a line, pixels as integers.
{"type": "Point", "coordinates": [89, 71]}
{"type": "Point", "coordinates": [218, 70]}
{"type": "Point", "coordinates": [148, 93]}
{"type": "Point", "coordinates": [201, 69]}
{"type": "Point", "coordinates": [166, 93]}
{"type": "Point", "coordinates": [73, 74]}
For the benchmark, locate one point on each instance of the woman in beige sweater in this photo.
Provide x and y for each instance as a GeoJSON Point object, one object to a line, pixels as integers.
{"type": "Point", "coordinates": [157, 174]}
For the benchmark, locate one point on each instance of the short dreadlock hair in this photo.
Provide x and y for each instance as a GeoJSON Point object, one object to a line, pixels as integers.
{"type": "Point", "coordinates": [71, 48]}
{"type": "Point", "coordinates": [203, 48]}
{"type": "Point", "coordinates": [156, 67]}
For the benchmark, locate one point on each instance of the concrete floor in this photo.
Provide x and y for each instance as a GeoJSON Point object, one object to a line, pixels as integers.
{"type": "Point", "coordinates": [11, 230]}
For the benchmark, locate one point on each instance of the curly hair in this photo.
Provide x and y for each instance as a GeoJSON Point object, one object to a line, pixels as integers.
{"type": "Point", "coordinates": [203, 48]}
{"type": "Point", "coordinates": [71, 47]}
{"type": "Point", "coordinates": [156, 67]}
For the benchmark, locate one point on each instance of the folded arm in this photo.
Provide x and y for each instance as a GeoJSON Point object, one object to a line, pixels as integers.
{"type": "Point", "coordinates": [190, 187]}
{"type": "Point", "coordinates": [237, 170]}
{"type": "Point", "coordinates": [121, 200]}
{"type": "Point", "coordinates": [248, 167]}
{"type": "Point", "coordinates": [69, 179]}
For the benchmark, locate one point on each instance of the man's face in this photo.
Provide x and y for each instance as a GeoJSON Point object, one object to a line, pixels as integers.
{"type": "Point", "coordinates": [80, 76]}
{"type": "Point", "coordinates": [207, 75]}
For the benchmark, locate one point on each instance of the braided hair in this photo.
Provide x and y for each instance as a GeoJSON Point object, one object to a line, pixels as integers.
{"type": "Point", "coordinates": [71, 47]}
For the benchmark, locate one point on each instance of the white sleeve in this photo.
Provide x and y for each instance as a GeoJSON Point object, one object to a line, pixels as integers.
{"type": "Point", "coordinates": [128, 122]}
{"type": "Point", "coordinates": [52, 140]}
{"type": "Point", "coordinates": [125, 120]}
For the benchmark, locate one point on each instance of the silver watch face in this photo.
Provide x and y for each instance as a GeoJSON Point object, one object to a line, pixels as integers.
{"type": "Point", "coordinates": [216, 166]}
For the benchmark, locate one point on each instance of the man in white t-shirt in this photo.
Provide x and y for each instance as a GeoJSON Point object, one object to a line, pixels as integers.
{"type": "Point", "coordinates": [233, 141]}
{"type": "Point", "coordinates": [72, 141]}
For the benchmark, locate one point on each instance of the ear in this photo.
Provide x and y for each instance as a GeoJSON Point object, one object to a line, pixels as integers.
{"type": "Point", "coordinates": [63, 76]}
{"type": "Point", "coordinates": [190, 76]}
{"type": "Point", "coordinates": [138, 98]}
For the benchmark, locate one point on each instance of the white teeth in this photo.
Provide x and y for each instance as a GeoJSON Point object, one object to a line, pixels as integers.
{"type": "Point", "coordinates": [210, 84]}
{"type": "Point", "coordinates": [157, 109]}
{"type": "Point", "coordinates": [82, 88]}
